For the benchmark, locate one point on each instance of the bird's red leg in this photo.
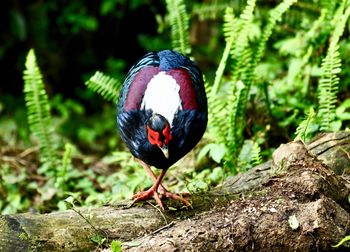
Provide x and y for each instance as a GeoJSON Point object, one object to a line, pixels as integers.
{"type": "Point", "coordinates": [151, 174]}
{"type": "Point", "coordinates": [157, 186]}
{"type": "Point", "coordinates": [152, 192]}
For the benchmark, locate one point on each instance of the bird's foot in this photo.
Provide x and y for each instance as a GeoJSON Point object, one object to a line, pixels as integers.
{"type": "Point", "coordinates": [163, 193]}
{"type": "Point", "coordinates": [145, 195]}
{"type": "Point", "coordinates": [181, 197]}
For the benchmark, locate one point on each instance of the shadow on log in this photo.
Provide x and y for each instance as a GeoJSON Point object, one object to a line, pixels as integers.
{"type": "Point", "coordinates": [296, 202]}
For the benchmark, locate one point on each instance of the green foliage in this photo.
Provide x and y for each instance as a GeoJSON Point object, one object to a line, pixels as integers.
{"type": "Point", "coordinates": [256, 154]}
{"type": "Point", "coordinates": [210, 10]}
{"type": "Point", "coordinates": [304, 130]}
{"type": "Point", "coordinates": [331, 67]}
{"type": "Point", "coordinates": [178, 20]}
{"type": "Point", "coordinates": [227, 116]}
{"type": "Point", "coordinates": [116, 246]}
{"type": "Point", "coordinates": [104, 85]}
{"type": "Point", "coordinates": [38, 111]}
{"type": "Point", "coordinates": [11, 185]}
{"type": "Point", "coordinates": [344, 240]}
{"type": "Point", "coordinates": [229, 31]}
{"type": "Point", "coordinates": [275, 15]}
{"type": "Point", "coordinates": [202, 180]}
{"type": "Point", "coordinates": [62, 170]}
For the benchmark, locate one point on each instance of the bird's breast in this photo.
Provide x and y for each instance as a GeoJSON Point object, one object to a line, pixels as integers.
{"type": "Point", "coordinates": [162, 96]}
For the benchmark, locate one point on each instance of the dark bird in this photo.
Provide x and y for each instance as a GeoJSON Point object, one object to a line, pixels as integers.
{"type": "Point", "coordinates": [162, 114]}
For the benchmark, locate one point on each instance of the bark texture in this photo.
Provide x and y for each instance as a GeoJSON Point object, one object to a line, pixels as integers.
{"type": "Point", "coordinates": [296, 202]}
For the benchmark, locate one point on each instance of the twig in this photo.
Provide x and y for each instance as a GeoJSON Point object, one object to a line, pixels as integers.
{"type": "Point", "coordinates": [160, 211]}
{"type": "Point", "coordinates": [164, 227]}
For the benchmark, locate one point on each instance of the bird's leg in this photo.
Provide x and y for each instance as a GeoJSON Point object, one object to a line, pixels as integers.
{"type": "Point", "coordinates": [152, 192]}
{"type": "Point", "coordinates": [151, 174]}
{"type": "Point", "coordinates": [160, 188]}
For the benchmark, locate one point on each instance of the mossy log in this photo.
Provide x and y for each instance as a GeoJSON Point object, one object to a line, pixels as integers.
{"type": "Point", "coordinates": [296, 202]}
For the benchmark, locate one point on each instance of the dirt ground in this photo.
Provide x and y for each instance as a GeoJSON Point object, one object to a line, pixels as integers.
{"type": "Point", "coordinates": [302, 208]}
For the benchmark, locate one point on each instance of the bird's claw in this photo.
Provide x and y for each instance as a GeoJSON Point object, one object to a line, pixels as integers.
{"type": "Point", "coordinates": [181, 197]}
{"type": "Point", "coordinates": [162, 193]}
{"type": "Point", "coordinates": [176, 196]}
{"type": "Point", "coordinates": [145, 195]}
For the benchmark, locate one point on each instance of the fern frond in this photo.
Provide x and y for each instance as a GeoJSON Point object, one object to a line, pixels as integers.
{"type": "Point", "coordinates": [218, 126]}
{"type": "Point", "coordinates": [236, 33]}
{"type": "Point", "coordinates": [235, 137]}
{"type": "Point", "coordinates": [104, 85]}
{"type": "Point", "coordinates": [61, 175]}
{"type": "Point", "coordinates": [331, 67]}
{"type": "Point", "coordinates": [247, 72]}
{"type": "Point", "coordinates": [303, 131]}
{"type": "Point", "coordinates": [275, 15]}
{"type": "Point", "coordinates": [38, 111]}
{"type": "Point", "coordinates": [241, 42]}
{"type": "Point", "coordinates": [209, 10]}
{"type": "Point", "coordinates": [256, 154]}
{"type": "Point", "coordinates": [227, 106]}
{"type": "Point", "coordinates": [229, 33]}
{"type": "Point", "coordinates": [229, 27]}
{"type": "Point", "coordinates": [179, 22]}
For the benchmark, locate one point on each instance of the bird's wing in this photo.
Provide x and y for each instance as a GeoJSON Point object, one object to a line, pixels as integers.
{"type": "Point", "coordinates": [139, 75]}
{"type": "Point", "coordinates": [188, 76]}
{"type": "Point", "coordinates": [198, 84]}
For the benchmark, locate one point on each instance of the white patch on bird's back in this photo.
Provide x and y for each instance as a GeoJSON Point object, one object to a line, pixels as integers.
{"type": "Point", "coordinates": [162, 96]}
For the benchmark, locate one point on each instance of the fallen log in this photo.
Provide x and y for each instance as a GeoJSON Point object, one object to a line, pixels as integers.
{"type": "Point", "coordinates": [298, 201]}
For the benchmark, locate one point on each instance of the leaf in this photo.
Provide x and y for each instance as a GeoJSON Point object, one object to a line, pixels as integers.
{"type": "Point", "coordinates": [38, 111]}
{"type": "Point", "coordinates": [116, 246]}
{"type": "Point", "coordinates": [216, 175]}
{"type": "Point", "coordinates": [341, 110]}
{"type": "Point", "coordinates": [98, 239]}
{"type": "Point", "coordinates": [179, 23]}
{"type": "Point", "coordinates": [304, 129]}
{"type": "Point", "coordinates": [104, 85]}
{"type": "Point", "coordinates": [203, 152]}
{"type": "Point", "coordinates": [331, 67]}
{"type": "Point", "coordinates": [70, 200]}
{"type": "Point", "coordinates": [217, 152]}
{"type": "Point", "coordinates": [342, 241]}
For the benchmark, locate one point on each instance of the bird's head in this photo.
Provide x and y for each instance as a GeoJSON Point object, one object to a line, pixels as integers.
{"type": "Point", "coordinates": [159, 133]}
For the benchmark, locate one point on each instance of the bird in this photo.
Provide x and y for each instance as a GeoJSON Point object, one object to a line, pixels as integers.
{"type": "Point", "coordinates": [162, 114]}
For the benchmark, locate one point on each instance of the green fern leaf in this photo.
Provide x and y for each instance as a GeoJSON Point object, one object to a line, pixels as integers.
{"type": "Point", "coordinates": [38, 111]}
{"type": "Point", "coordinates": [246, 61]}
{"type": "Point", "coordinates": [229, 33]}
{"type": "Point", "coordinates": [209, 10]}
{"type": "Point", "coordinates": [241, 42]}
{"type": "Point", "coordinates": [275, 15]}
{"type": "Point", "coordinates": [235, 137]}
{"type": "Point", "coordinates": [331, 67]}
{"type": "Point", "coordinates": [303, 131]}
{"type": "Point", "coordinates": [227, 105]}
{"type": "Point", "coordinates": [217, 113]}
{"type": "Point", "coordinates": [256, 154]}
{"type": "Point", "coordinates": [179, 22]}
{"type": "Point", "coordinates": [104, 85]}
